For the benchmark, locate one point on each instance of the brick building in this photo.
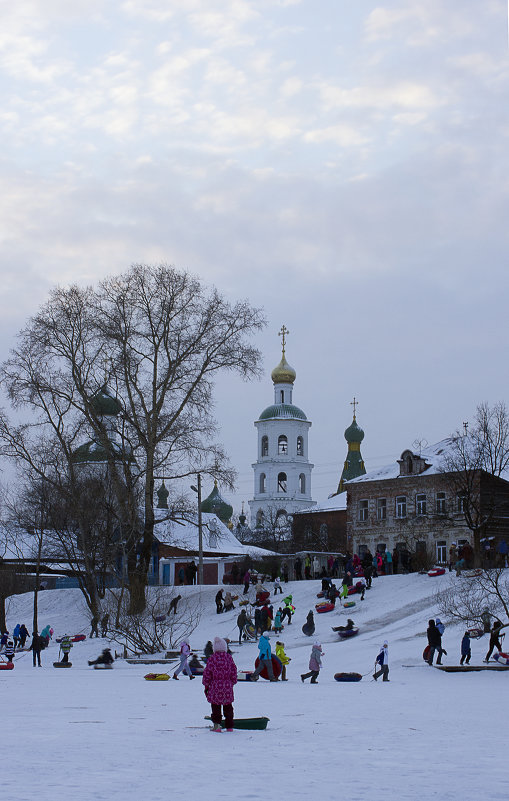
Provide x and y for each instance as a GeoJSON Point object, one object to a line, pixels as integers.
{"type": "Point", "coordinates": [415, 505]}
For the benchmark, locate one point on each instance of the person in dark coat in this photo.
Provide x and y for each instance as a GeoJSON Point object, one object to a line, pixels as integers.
{"type": "Point", "coordinates": [173, 604]}
{"type": "Point", "coordinates": [246, 580]}
{"type": "Point", "coordinates": [104, 624]}
{"type": "Point", "coordinates": [298, 569]}
{"type": "Point", "coordinates": [104, 659]}
{"type": "Point", "coordinates": [466, 651]}
{"type": "Point", "coordinates": [94, 624]}
{"type": "Point", "coordinates": [208, 650]}
{"type": "Point", "coordinates": [241, 622]}
{"type": "Point", "coordinates": [494, 639]}
{"type": "Point", "coordinates": [23, 635]}
{"type": "Point", "coordinates": [219, 602]}
{"type": "Point", "coordinates": [36, 647]}
{"type": "Point", "coordinates": [434, 642]}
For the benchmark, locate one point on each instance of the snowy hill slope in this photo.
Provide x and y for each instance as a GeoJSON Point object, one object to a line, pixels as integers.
{"type": "Point", "coordinates": [111, 735]}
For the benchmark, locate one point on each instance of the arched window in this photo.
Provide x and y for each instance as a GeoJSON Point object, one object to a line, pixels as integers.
{"type": "Point", "coordinates": [262, 482]}
{"type": "Point", "coordinates": [300, 446]}
{"type": "Point", "coordinates": [281, 482]}
{"type": "Point", "coordinates": [302, 483]}
{"type": "Point", "coordinates": [265, 446]}
{"type": "Point", "coordinates": [282, 444]}
{"type": "Point", "coordinates": [281, 395]}
{"type": "Point", "coordinates": [259, 519]}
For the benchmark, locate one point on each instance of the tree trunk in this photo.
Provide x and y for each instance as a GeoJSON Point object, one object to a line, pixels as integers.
{"type": "Point", "coordinates": [137, 587]}
{"type": "Point", "coordinates": [3, 623]}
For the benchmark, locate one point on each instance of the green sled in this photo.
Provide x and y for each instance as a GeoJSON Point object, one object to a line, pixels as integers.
{"type": "Point", "coordinates": [246, 723]}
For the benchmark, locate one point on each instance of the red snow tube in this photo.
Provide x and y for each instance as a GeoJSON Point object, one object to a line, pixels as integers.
{"type": "Point", "coordinates": [348, 676]}
{"type": "Point", "coordinates": [76, 638]}
{"type": "Point", "coordinates": [262, 598]}
{"type": "Point", "coordinates": [355, 588]}
{"type": "Point", "coordinates": [277, 667]}
{"type": "Point", "coordinates": [324, 607]}
{"type": "Point", "coordinates": [436, 571]}
{"type": "Point", "coordinates": [6, 665]}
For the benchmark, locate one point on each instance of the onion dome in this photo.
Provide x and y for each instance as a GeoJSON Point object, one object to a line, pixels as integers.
{"type": "Point", "coordinates": [354, 433]}
{"type": "Point", "coordinates": [104, 403]}
{"type": "Point", "coordinates": [282, 411]}
{"type": "Point", "coordinates": [162, 497]}
{"type": "Point", "coordinates": [216, 505]}
{"type": "Point", "coordinates": [283, 373]}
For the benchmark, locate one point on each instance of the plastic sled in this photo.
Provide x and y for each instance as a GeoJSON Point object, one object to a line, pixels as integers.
{"type": "Point", "coordinates": [6, 665]}
{"type": "Point", "coordinates": [348, 676]}
{"type": "Point", "coordinates": [436, 571]}
{"type": "Point", "coordinates": [156, 677]}
{"type": "Point", "coordinates": [346, 633]}
{"type": "Point", "coordinates": [476, 634]}
{"type": "Point", "coordinates": [246, 723]}
{"type": "Point", "coordinates": [425, 653]}
{"type": "Point", "coordinates": [76, 638]}
{"type": "Point", "coordinates": [62, 664]}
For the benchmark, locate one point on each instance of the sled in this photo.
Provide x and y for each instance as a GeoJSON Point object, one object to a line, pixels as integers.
{"type": "Point", "coordinates": [346, 633]}
{"type": "Point", "coordinates": [355, 588]}
{"type": "Point", "coordinates": [348, 676]}
{"type": "Point", "coordinates": [62, 664]}
{"type": "Point", "coordinates": [258, 724]}
{"type": "Point", "coordinates": [76, 638]}
{"type": "Point", "coordinates": [348, 604]}
{"type": "Point", "coordinates": [425, 653]}
{"type": "Point", "coordinates": [476, 634]}
{"type": "Point", "coordinates": [6, 665]}
{"type": "Point", "coordinates": [277, 667]}
{"type": "Point", "coordinates": [324, 607]}
{"type": "Point", "coordinates": [436, 571]}
{"type": "Point", "coordinates": [156, 677]}
{"type": "Point", "coordinates": [103, 667]}
{"type": "Point", "coordinates": [244, 603]}
{"type": "Point", "coordinates": [262, 598]}
{"type": "Point", "coordinates": [501, 658]}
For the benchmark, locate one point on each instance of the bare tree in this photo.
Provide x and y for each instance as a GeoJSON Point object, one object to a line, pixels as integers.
{"type": "Point", "coordinates": [273, 530]}
{"type": "Point", "coordinates": [163, 339]}
{"type": "Point", "coordinates": [468, 597]}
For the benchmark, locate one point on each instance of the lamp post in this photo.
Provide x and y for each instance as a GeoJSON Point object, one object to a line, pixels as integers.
{"type": "Point", "coordinates": [200, 531]}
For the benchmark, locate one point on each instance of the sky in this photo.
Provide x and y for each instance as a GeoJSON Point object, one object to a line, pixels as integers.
{"type": "Point", "coordinates": [342, 165]}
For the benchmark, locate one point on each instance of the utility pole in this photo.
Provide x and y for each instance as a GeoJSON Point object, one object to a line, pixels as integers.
{"type": "Point", "coordinates": [200, 535]}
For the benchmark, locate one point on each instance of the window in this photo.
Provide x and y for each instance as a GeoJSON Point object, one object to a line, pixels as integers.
{"type": "Point", "coordinates": [363, 511]}
{"type": "Point", "coordinates": [282, 444]}
{"type": "Point", "coordinates": [441, 552]}
{"type": "Point", "coordinates": [381, 509]}
{"type": "Point", "coordinates": [263, 487]}
{"type": "Point", "coordinates": [440, 503]}
{"type": "Point", "coordinates": [300, 446]}
{"type": "Point", "coordinates": [302, 483]}
{"type": "Point", "coordinates": [281, 396]}
{"type": "Point", "coordinates": [265, 446]}
{"type": "Point", "coordinates": [281, 482]}
{"type": "Point", "coordinates": [461, 503]}
{"type": "Point", "coordinates": [420, 505]}
{"type": "Point", "coordinates": [401, 506]}
{"type": "Point", "coordinates": [259, 519]}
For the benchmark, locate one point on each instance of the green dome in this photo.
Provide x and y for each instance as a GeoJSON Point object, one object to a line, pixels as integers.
{"type": "Point", "coordinates": [104, 403]}
{"type": "Point", "coordinates": [216, 505]}
{"type": "Point", "coordinates": [282, 411]}
{"type": "Point", "coordinates": [93, 451]}
{"type": "Point", "coordinates": [354, 433]}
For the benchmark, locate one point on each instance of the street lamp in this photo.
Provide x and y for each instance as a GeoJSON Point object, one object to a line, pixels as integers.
{"type": "Point", "coordinates": [200, 530]}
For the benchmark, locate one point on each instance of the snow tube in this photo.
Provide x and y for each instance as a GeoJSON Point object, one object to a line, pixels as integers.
{"type": "Point", "coordinates": [502, 658]}
{"type": "Point", "coordinates": [277, 667]}
{"type": "Point", "coordinates": [62, 664]}
{"type": "Point", "coordinates": [355, 588]}
{"type": "Point", "coordinates": [262, 598]}
{"type": "Point", "coordinates": [324, 607]}
{"type": "Point", "coordinates": [436, 571]}
{"type": "Point", "coordinates": [320, 594]}
{"type": "Point", "coordinates": [76, 638]}
{"type": "Point", "coordinates": [348, 676]}
{"type": "Point", "coordinates": [425, 653]}
{"type": "Point", "coordinates": [476, 634]}
{"type": "Point", "coordinates": [156, 677]}
{"type": "Point", "coordinates": [348, 604]}
{"type": "Point", "coordinates": [6, 665]}
{"type": "Point", "coordinates": [308, 630]}
{"type": "Point", "coordinates": [348, 633]}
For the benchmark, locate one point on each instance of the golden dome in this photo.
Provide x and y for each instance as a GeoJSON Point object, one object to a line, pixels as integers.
{"type": "Point", "coordinates": [283, 373]}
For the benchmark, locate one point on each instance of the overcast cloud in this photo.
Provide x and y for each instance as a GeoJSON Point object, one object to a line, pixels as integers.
{"type": "Point", "coordinates": [343, 164]}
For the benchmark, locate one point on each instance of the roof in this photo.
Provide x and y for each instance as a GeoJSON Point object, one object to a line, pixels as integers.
{"type": "Point", "coordinates": [282, 411]}
{"type": "Point", "coordinates": [216, 536]}
{"type": "Point", "coordinates": [336, 503]}
{"type": "Point", "coordinates": [434, 455]}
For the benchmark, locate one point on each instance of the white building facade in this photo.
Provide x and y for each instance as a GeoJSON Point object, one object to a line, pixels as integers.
{"type": "Point", "coordinates": [282, 471]}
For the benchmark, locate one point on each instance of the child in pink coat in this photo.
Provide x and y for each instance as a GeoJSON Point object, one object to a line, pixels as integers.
{"type": "Point", "coordinates": [218, 679]}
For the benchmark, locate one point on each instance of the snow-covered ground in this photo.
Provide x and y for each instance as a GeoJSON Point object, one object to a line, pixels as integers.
{"type": "Point", "coordinates": [82, 734]}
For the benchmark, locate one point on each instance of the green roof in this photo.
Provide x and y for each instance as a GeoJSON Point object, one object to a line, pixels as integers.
{"type": "Point", "coordinates": [216, 505]}
{"type": "Point", "coordinates": [104, 403]}
{"type": "Point", "coordinates": [93, 451]}
{"type": "Point", "coordinates": [281, 411]}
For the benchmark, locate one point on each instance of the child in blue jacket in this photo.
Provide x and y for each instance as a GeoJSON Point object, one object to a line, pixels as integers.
{"type": "Point", "coordinates": [466, 651]}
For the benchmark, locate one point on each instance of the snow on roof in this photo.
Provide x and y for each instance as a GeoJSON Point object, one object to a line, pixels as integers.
{"type": "Point", "coordinates": [336, 503]}
{"type": "Point", "coordinates": [434, 455]}
{"type": "Point", "coordinates": [216, 536]}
